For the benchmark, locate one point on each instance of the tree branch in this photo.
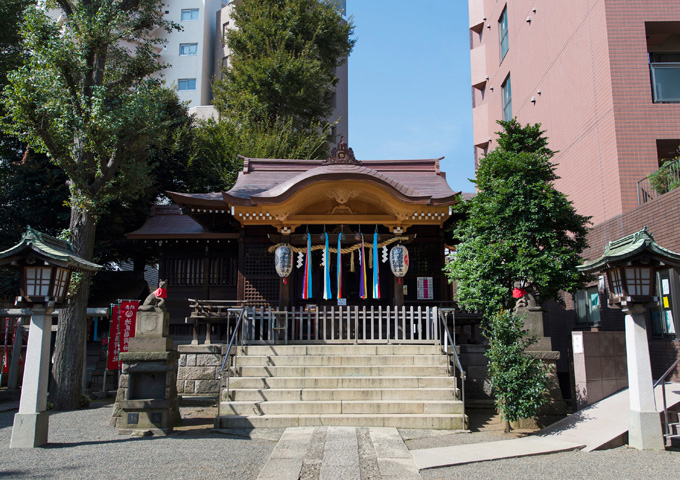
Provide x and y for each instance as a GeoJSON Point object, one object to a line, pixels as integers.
{"type": "Point", "coordinates": [127, 5]}
{"type": "Point", "coordinates": [109, 169]}
{"type": "Point", "coordinates": [66, 7]}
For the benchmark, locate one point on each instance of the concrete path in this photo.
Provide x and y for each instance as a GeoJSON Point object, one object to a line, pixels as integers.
{"type": "Point", "coordinates": [589, 429]}
{"type": "Point", "coordinates": [600, 423]}
{"type": "Point", "coordinates": [348, 453]}
{"type": "Point", "coordinates": [481, 452]}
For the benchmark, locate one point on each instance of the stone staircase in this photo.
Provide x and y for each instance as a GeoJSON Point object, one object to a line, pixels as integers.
{"type": "Point", "coordinates": [403, 386]}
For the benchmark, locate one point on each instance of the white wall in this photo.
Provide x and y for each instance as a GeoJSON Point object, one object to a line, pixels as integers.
{"type": "Point", "coordinates": [200, 31]}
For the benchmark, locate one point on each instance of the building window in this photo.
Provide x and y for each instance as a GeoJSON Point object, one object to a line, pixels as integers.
{"type": "Point", "coordinates": [503, 33]}
{"type": "Point", "coordinates": [189, 14]}
{"type": "Point", "coordinates": [663, 49]}
{"type": "Point", "coordinates": [186, 84]}
{"type": "Point", "coordinates": [186, 49]}
{"type": "Point", "coordinates": [507, 99]}
{"type": "Point", "coordinates": [587, 306]}
{"type": "Point", "coordinates": [663, 320]}
{"type": "Point", "coordinates": [225, 62]}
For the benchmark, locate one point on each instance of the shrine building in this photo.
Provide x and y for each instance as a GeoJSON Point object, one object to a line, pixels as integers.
{"type": "Point", "coordinates": [222, 246]}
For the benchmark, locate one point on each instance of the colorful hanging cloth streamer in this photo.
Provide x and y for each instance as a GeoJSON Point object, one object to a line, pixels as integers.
{"type": "Point", "coordinates": [327, 294]}
{"type": "Point", "coordinates": [376, 275]}
{"type": "Point", "coordinates": [362, 270]}
{"type": "Point", "coordinates": [307, 282]}
{"type": "Point", "coordinates": [339, 265]}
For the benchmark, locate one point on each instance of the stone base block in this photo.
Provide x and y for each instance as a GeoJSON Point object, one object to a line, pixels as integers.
{"type": "Point", "coordinates": [152, 323]}
{"type": "Point", "coordinates": [217, 348]}
{"type": "Point", "coordinates": [163, 419]}
{"type": "Point", "coordinates": [151, 344]}
{"type": "Point", "coordinates": [30, 430]}
{"type": "Point", "coordinates": [645, 431]}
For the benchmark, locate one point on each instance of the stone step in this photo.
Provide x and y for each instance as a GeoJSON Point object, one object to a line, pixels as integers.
{"type": "Point", "coordinates": [340, 371]}
{"type": "Point", "coordinates": [339, 360]}
{"type": "Point", "coordinates": [415, 421]}
{"type": "Point", "coordinates": [313, 394]}
{"type": "Point", "coordinates": [345, 407]}
{"type": "Point", "coordinates": [342, 349]}
{"type": "Point", "coordinates": [343, 382]}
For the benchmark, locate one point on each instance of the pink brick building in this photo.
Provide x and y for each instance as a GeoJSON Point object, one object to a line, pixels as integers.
{"type": "Point", "coordinates": [603, 79]}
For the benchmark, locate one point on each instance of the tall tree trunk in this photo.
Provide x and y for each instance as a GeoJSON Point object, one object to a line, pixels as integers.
{"type": "Point", "coordinates": [67, 370]}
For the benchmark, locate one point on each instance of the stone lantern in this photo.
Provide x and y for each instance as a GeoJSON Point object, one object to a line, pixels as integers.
{"type": "Point", "coordinates": [46, 264]}
{"type": "Point", "coordinates": [630, 265]}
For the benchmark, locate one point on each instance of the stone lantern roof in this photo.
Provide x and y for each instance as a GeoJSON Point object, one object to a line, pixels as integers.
{"type": "Point", "coordinates": [49, 249]}
{"type": "Point", "coordinates": [630, 247]}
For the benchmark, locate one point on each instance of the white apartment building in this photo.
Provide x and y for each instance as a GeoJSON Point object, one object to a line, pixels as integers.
{"type": "Point", "coordinates": [197, 53]}
{"type": "Point", "coordinates": [190, 52]}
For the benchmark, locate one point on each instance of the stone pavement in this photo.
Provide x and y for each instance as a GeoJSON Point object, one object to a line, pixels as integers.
{"type": "Point", "coordinates": [480, 452]}
{"type": "Point", "coordinates": [349, 453]}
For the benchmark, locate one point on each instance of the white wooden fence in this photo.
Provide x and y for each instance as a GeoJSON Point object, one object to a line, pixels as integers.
{"type": "Point", "coordinates": [352, 324]}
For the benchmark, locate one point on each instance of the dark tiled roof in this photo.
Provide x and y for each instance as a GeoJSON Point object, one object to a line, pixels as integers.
{"type": "Point", "coordinates": [415, 180]}
{"type": "Point", "coordinates": [168, 222]}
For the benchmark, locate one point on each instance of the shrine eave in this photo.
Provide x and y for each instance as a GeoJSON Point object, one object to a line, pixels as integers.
{"type": "Point", "coordinates": [166, 222]}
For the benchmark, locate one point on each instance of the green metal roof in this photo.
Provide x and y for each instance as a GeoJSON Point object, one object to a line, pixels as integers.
{"type": "Point", "coordinates": [59, 252]}
{"type": "Point", "coordinates": [628, 247]}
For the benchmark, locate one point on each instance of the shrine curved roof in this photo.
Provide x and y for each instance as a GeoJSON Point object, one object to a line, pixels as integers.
{"type": "Point", "coordinates": [272, 180]}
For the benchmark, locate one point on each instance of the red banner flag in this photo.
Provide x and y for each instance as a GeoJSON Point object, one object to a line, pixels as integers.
{"type": "Point", "coordinates": [128, 321]}
{"type": "Point", "coordinates": [114, 346]}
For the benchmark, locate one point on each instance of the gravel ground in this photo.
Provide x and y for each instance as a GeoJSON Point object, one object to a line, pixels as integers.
{"type": "Point", "coordinates": [83, 446]}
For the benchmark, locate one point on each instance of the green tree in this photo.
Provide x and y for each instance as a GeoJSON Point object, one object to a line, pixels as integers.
{"type": "Point", "coordinates": [282, 62]}
{"type": "Point", "coordinates": [519, 230]}
{"type": "Point", "coordinates": [85, 96]}
{"type": "Point", "coordinates": [219, 147]}
{"type": "Point", "coordinates": [517, 379]}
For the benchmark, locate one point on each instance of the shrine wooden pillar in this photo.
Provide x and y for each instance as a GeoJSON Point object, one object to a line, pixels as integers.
{"type": "Point", "coordinates": [241, 282]}
{"type": "Point", "coordinates": [398, 291]}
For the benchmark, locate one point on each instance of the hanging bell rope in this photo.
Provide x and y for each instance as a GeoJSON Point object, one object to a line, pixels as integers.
{"type": "Point", "coordinates": [349, 249]}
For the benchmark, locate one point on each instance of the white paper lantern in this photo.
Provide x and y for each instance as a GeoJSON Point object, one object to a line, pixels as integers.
{"type": "Point", "coordinates": [283, 260]}
{"type": "Point", "coordinates": [399, 260]}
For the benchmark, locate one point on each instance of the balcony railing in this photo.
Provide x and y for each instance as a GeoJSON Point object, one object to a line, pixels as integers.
{"type": "Point", "coordinates": [663, 180]}
{"type": "Point", "coordinates": [665, 82]}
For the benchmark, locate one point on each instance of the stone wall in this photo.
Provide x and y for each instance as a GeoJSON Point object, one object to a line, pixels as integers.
{"type": "Point", "coordinates": [199, 369]}
{"type": "Point", "coordinates": [599, 365]}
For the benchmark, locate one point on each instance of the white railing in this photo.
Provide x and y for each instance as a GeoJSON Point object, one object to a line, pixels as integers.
{"type": "Point", "coordinates": [352, 324]}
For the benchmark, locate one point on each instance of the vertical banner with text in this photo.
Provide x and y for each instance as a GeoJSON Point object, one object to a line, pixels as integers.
{"type": "Point", "coordinates": [114, 338]}
{"type": "Point", "coordinates": [5, 350]}
{"type": "Point", "coordinates": [127, 311]}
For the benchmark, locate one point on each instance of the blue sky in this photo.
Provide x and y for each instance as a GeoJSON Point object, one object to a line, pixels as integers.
{"type": "Point", "coordinates": [409, 84]}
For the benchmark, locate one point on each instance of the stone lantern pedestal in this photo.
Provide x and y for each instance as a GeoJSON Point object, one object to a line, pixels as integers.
{"type": "Point", "coordinates": [555, 409]}
{"type": "Point", "coordinates": [147, 398]}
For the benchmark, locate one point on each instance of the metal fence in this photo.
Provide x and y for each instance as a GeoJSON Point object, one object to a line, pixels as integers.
{"type": "Point", "coordinates": [662, 181]}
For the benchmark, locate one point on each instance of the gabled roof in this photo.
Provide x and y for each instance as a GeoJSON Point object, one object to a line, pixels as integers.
{"type": "Point", "coordinates": [265, 185]}
{"type": "Point", "coordinates": [167, 222]}
{"type": "Point", "coordinates": [47, 248]}
{"type": "Point", "coordinates": [271, 180]}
